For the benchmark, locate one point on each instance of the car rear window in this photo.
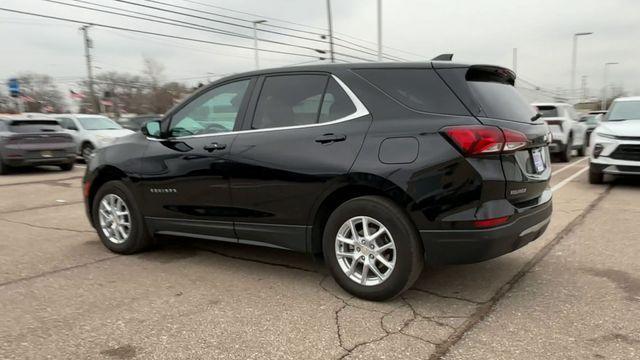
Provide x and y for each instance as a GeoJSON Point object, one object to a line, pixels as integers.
{"type": "Point", "coordinates": [31, 126]}
{"type": "Point", "coordinates": [493, 90]}
{"type": "Point", "coordinates": [418, 89]}
{"type": "Point", "coordinates": [547, 110]}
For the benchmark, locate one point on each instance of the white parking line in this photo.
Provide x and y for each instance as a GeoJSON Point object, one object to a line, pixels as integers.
{"type": "Point", "coordinates": [568, 166]}
{"type": "Point", "coordinates": [564, 182]}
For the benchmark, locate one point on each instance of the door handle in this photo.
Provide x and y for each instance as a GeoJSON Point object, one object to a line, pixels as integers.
{"type": "Point", "coordinates": [215, 146]}
{"type": "Point", "coordinates": [330, 138]}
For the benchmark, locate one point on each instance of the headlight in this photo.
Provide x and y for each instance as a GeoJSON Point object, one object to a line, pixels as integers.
{"type": "Point", "coordinates": [104, 139]}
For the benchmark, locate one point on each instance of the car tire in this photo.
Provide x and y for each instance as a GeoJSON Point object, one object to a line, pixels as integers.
{"type": "Point", "coordinates": [565, 155]}
{"type": "Point", "coordinates": [86, 152]}
{"type": "Point", "coordinates": [137, 237]}
{"type": "Point", "coordinates": [595, 176]}
{"type": "Point", "coordinates": [67, 166]}
{"type": "Point", "coordinates": [582, 151]}
{"type": "Point", "coordinates": [4, 169]}
{"type": "Point", "coordinates": [406, 256]}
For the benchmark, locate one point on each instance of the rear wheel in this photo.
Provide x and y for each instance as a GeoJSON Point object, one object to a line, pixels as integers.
{"type": "Point", "coordinates": [582, 150]}
{"type": "Point", "coordinates": [565, 155]}
{"type": "Point", "coordinates": [67, 167]}
{"type": "Point", "coordinates": [595, 176]}
{"type": "Point", "coordinates": [118, 220]}
{"type": "Point", "coordinates": [4, 169]}
{"type": "Point", "coordinates": [87, 152]}
{"type": "Point", "coordinates": [372, 249]}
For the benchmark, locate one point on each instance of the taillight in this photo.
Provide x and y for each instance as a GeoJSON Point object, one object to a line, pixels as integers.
{"type": "Point", "coordinates": [478, 139]}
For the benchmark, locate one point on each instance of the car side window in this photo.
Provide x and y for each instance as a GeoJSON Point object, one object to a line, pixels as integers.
{"type": "Point", "coordinates": [336, 103]}
{"type": "Point", "coordinates": [289, 100]}
{"type": "Point", "coordinates": [67, 124]}
{"type": "Point", "coordinates": [215, 111]}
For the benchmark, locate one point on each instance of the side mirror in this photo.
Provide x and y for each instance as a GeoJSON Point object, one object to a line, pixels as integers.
{"type": "Point", "coordinates": [151, 129]}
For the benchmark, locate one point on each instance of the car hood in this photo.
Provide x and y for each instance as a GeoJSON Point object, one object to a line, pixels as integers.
{"type": "Point", "coordinates": [620, 128]}
{"type": "Point", "coordinates": [111, 133]}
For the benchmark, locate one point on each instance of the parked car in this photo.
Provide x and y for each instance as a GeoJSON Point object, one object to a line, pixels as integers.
{"type": "Point", "coordinates": [135, 123]}
{"type": "Point", "coordinates": [591, 121]}
{"type": "Point", "coordinates": [91, 132]}
{"type": "Point", "coordinates": [30, 140]}
{"type": "Point", "coordinates": [615, 143]}
{"type": "Point", "coordinates": [378, 167]}
{"type": "Point", "coordinates": [568, 134]}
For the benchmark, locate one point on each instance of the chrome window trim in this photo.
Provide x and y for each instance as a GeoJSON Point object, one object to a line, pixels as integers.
{"type": "Point", "coordinates": [361, 111]}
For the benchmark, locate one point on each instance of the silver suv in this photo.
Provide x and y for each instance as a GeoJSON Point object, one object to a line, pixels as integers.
{"type": "Point", "coordinates": [91, 132]}
{"type": "Point", "coordinates": [568, 134]}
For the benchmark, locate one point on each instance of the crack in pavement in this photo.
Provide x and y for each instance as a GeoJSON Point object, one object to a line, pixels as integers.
{"type": "Point", "coordinates": [255, 260]}
{"type": "Point", "coordinates": [46, 227]}
{"type": "Point", "coordinates": [484, 309]}
{"type": "Point", "coordinates": [41, 207]}
{"type": "Point", "coordinates": [447, 296]}
{"type": "Point", "coordinates": [41, 181]}
{"type": "Point", "coordinates": [46, 273]}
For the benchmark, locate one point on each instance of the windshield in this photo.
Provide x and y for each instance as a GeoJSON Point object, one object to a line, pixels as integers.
{"type": "Point", "coordinates": [624, 110]}
{"type": "Point", "coordinates": [98, 123]}
{"type": "Point", "coordinates": [547, 111]}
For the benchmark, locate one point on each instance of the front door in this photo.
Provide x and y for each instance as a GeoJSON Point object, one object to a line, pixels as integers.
{"type": "Point", "coordinates": [185, 173]}
{"type": "Point", "coordinates": [304, 135]}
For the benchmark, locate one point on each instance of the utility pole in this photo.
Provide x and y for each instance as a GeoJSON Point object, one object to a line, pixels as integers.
{"type": "Point", "coordinates": [255, 40]}
{"type": "Point", "coordinates": [574, 60]}
{"type": "Point", "coordinates": [603, 106]}
{"type": "Point", "coordinates": [583, 87]}
{"type": "Point", "coordinates": [333, 59]}
{"type": "Point", "coordinates": [88, 44]}
{"type": "Point", "coordinates": [515, 60]}
{"type": "Point", "coordinates": [379, 30]}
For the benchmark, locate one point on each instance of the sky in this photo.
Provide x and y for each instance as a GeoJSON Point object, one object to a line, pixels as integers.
{"type": "Point", "coordinates": [480, 31]}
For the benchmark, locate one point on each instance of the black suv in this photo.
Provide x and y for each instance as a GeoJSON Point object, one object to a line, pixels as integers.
{"type": "Point", "coordinates": [379, 167]}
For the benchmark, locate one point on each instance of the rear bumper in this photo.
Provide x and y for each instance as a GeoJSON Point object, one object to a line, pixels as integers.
{"type": "Point", "coordinates": [556, 146]}
{"type": "Point", "coordinates": [19, 162]}
{"type": "Point", "coordinates": [469, 246]}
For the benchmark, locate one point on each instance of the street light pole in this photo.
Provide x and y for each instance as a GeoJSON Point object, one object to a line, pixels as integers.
{"type": "Point", "coordinates": [88, 44]}
{"type": "Point", "coordinates": [255, 40]}
{"type": "Point", "coordinates": [332, 56]}
{"type": "Point", "coordinates": [603, 106]}
{"type": "Point", "coordinates": [574, 60]}
{"type": "Point", "coordinates": [379, 30]}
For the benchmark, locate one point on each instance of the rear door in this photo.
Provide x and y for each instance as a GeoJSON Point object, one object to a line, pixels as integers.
{"type": "Point", "coordinates": [303, 135]}
{"type": "Point", "coordinates": [489, 94]}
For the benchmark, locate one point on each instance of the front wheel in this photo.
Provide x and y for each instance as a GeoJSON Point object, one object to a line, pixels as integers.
{"type": "Point", "coordinates": [595, 176]}
{"type": "Point", "coordinates": [582, 151]}
{"type": "Point", "coordinates": [118, 221]}
{"type": "Point", "coordinates": [67, 167]}
{"type": "Point", "coordinates": [372, 249]}
{"type": "Point", "coordinates": [4, 169]}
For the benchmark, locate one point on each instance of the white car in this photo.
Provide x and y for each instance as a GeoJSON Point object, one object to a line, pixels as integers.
{"type": "Point", "coordinates": [567, 132]}
{"type": "Point", "coordinates": [615, 143]}
{"type": "Point", "coordinates": [91, 132]}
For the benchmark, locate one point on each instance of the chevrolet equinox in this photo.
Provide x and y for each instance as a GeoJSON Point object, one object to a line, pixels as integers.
{"type": "Point", "coordinates": [377, 167]}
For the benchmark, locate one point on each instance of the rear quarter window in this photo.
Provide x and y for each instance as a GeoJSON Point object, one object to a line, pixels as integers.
{"type": "Point", "coordinates": [418, 89]}
{"type": "Point", "coordinates": [31, 126]}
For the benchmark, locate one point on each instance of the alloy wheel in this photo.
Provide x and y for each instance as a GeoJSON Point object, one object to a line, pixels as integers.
{"type": "Point", "coordinates": [115, 218]}
{"type": "Point", "coordinates": [365, 251]}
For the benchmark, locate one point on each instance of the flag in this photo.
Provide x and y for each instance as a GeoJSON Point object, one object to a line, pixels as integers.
{"type": "Point", "coordinates": [27, 98]}
{"type": "Point", "coordinates": [48, 108]}
{"type": "Point", "coordinates": [76, 95]}
{"type": "Point", "coordinates": [106, 102]}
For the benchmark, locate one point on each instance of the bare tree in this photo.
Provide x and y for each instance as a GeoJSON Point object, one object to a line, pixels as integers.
{"type": "Point", "coordinates": [40, 91]}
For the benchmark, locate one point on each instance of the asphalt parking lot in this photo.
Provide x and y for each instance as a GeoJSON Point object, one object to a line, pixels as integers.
{"type": "Point", "coordinates": [572, 294]}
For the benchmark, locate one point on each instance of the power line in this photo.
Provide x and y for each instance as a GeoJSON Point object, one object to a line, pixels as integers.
{"type": "Point", "coordinates": [208, 19]}
{"type": "Point", "coordinates": [177, 23]}
{"type": "Point", "coordinates": [151, 33]}
{"type": "Point", "coordinates": [264, 17]}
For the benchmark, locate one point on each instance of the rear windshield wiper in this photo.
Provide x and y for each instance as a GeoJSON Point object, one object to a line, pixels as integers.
{"type": "Point", "coordinates": [536, 117]}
